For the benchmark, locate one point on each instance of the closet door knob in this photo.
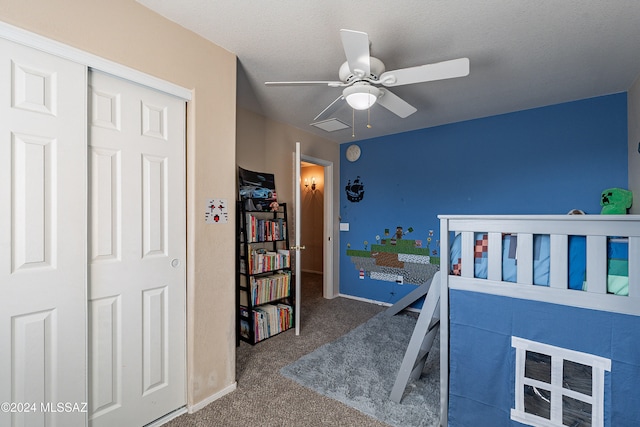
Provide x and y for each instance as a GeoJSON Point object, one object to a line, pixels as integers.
{"type": "Point", "coordinates": [175, 263]}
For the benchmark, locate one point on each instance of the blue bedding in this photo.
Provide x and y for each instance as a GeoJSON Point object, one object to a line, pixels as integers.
{"type": "Point", "coordinates": [617, 260]}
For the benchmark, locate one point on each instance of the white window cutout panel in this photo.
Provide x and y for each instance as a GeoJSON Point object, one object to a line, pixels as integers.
{"type": "Point", "coordinates": [558, 355]}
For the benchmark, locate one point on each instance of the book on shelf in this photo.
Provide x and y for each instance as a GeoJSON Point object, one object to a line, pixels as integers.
{"type": "Point", "coordinates": [244, 328]}
{"type": "Point", "coordinates": [261, 260]}
{"type": "Point", "coordinates": [265, 229]}
{"type": "Point", "coordinates": [271, 319]}
{"type": "Point", "coordinates": [270, 288]}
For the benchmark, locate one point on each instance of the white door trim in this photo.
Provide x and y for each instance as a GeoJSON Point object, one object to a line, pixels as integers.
{"type": "Point", "coordinates": [62, 50]}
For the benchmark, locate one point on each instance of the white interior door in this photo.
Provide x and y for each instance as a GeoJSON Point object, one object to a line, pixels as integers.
{"type": "Point", "coordinates": [298, 229]}
{"type": "Point", "coordinates": [137, 253]}
{"type": "Point", "coordinates": [42, 237]}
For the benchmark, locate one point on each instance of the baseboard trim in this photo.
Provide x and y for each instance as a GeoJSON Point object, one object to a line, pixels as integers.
{"type": "Point", "coordinates": [165, 419]}
{"type": "Point", "coordinates": [370, 301]}
{"type": "Point", "coordinates": [212, 398]}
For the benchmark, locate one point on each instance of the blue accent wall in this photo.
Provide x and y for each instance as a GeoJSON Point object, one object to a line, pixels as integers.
{"type": "Point", "coordinates": [546, 160]}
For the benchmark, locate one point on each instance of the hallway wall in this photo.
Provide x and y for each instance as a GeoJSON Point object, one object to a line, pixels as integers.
{"type": "Point", "coordinates": [312, 214]}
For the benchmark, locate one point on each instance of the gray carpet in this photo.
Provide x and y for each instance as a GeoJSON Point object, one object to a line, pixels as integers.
{"type": "Point", "coordinates": [265, 398]}
{"type": "Point", "coordinates": [359, 369]}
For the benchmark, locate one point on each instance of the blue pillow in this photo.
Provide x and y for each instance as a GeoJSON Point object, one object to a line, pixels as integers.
{"type": "Point", "coordinates": [577, 261]}
{"type": "Point", "coordinates": [455, 255]}
{"type": "Point", "coordinates": [480, 256]}
{"type": "Point", "coordinates": [541, 257]}
{"type": "Point", "coordinates": [509, 262]}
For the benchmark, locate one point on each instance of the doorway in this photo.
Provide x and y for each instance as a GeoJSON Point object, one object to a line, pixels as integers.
{"type": "Point", "coordinates": [320, 205]}
{"type": "Point", "coordinates": [312, 214]}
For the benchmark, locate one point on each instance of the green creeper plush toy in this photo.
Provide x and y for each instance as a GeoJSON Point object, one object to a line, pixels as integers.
{"type": "Point", "coordinates": [616, 201]}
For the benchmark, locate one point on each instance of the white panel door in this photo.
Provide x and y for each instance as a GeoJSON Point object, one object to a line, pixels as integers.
{"type": "Point", "coordinates": [43, 226]}
{"type": "Point", "coordinates": [137, 248]}
{"type": "Point", "coordinates": [298, 228]}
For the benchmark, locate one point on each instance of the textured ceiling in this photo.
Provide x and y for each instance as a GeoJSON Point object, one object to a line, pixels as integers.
{"type": "Point", "coordinates": [523, 53]}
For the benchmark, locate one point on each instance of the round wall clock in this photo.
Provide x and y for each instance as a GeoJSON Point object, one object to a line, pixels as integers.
{"type": "Point", "coordinates": [353, 153]}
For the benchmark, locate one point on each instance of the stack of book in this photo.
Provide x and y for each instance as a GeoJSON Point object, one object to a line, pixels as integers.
{"type": "Point", "coordinates": [271, 319]}
{"type": "Point", "coordinates": [261, 260]}
{"type": "Point", "coordinates": [270, 288]}
{"type": "Point", "coordinates": [265, 230]}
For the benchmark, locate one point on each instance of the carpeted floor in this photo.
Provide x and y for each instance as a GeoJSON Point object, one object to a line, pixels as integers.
{"type": "Point", "coordinates": [266, 398]}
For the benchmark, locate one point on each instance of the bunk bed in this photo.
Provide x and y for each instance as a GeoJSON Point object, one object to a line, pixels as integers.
{"type": "Point", "coordinates": [540, 319]}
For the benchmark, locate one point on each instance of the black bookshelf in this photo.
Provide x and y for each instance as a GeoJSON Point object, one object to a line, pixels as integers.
{"type": "Point", "coordinates": [264, 280]}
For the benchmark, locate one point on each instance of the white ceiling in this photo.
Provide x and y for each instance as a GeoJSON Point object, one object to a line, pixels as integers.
{"type": "Point", "coordinates": [523, 53]}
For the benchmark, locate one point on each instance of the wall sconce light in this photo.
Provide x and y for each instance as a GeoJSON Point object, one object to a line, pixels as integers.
{"type": "Point", "coordinates": [313, 184]}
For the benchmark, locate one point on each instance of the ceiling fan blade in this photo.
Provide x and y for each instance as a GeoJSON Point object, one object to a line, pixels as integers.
{"type": "Point", "coordinates": [307, 83]}
{"type": "Point", "coordinates": [426, 73]}
{"type": "Point", "coordinates": [356, 48]}
{"type": "Point", "coordinates": [395, 104]}
{"type": "Point", "coordinates": [331, 108]}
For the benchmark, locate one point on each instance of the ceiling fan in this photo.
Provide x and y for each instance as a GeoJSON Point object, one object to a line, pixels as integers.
{"type": "Point", "coordinates": [365, 80]}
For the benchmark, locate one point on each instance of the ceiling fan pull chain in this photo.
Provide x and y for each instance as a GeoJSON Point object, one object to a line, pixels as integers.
{"type": "Point", "coordinates": [369, 112]}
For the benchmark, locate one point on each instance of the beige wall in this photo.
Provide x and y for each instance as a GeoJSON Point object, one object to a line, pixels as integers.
{"type": "Point", "coordinates": [250, 134]}
{"type": "Point", "coordinates": [272, 151]}
{"type": "Point", "coordinates": [127, 33]}
{"type": "Point", "coordinates": [633, 111]}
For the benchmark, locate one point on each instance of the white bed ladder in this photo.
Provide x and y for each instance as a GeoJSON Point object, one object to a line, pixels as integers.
{"type": "Point", "coordinates": [423, 335]}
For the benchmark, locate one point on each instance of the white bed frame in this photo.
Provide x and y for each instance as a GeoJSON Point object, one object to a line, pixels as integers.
{"type": "Point", "coordinates": [596, 228]}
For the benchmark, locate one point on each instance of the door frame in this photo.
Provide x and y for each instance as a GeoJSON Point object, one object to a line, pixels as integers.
{"type": "Point", "coordinates": [328, 290]}
{"type": "Point", "coordinates": [29, 39]}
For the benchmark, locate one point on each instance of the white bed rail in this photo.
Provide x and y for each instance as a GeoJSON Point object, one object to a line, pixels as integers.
{"type": "Point", "coordinates": [596, 228]}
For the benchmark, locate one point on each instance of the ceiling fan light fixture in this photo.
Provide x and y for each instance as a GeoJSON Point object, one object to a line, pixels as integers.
{"type": "Point", "coordinates": [361, 97]}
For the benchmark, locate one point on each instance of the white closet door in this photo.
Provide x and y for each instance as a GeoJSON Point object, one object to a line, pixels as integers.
{"type": "Point", "coordinates": [42, 238]}
{"type": "Point", "coordinates": [137, 253]}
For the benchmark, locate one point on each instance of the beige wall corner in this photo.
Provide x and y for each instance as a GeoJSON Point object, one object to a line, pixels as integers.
{"type": "Point", "coordinates": [268, 146]}
{"type": "Point", "coordinates": [127, 33]}
{"type": "Point", "coordinates": [633, 122]}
